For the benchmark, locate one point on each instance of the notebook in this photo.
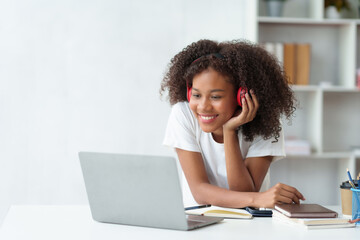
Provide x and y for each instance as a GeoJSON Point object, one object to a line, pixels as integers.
{"type": "Point", "coordinates": [216, 211]}
{"type": "Point", "coordinates": [137, 190]}
{"type": "Point", "coordinates": [305, 211]}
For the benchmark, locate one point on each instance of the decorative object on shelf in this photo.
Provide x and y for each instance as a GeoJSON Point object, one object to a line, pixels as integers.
{"type": "Point", "coordinates": [275, 7]}
{"type": "Point", "coordinates": [334, 8]}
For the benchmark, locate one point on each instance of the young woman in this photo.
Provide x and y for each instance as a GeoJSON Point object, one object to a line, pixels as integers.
{"type": "Point", "coordinates": [227, 101]}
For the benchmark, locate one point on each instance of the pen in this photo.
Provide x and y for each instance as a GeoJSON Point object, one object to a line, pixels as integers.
{"type": "Point", "coordinates": [350, 179]}
{"type": "Point", "coordinates": [196, 207]}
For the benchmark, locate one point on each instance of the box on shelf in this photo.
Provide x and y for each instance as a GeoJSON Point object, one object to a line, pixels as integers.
{"type": "Point", "coordinates": [297, 147]}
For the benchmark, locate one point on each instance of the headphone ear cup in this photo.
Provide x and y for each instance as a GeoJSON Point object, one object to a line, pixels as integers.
{"type": "Point", "coordinates": [188, 93]}
{"type": "Point", "coordinates": [241, 94]}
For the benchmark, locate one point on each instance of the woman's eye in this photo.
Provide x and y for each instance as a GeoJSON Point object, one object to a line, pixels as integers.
{"type": "Point", "coordinates": [196, 95]}
{"type": "Point", "coordinates": [216, 97]}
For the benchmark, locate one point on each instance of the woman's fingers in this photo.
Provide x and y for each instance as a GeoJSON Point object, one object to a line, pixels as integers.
{"type": "Point", "coordinates": [293, 190]}
{"type": "Point", "coordinates": [281, 193]}
{"type": "Point", "coordinates": [245, 108]}
{"type": "Point", "coordinates": [290, 196]}
{"type": "Point", "coordinates": [283, 199]}
{"type": "Point", "coordinates": [255, 100]}
{"type": "Point", "coordinates": [251, 105]}
{"type": "Point", "coordinates": [249, 102]}
{"type": "Point", "coordinates": [287, 194]}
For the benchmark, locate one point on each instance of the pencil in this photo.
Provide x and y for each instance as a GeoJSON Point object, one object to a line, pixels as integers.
{"type": "Point", "coordinates": [350, 179]}
{"type": "Point", "coordinates": [353, 186]}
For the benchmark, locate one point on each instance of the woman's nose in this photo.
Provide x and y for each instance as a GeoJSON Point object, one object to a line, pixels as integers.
{"type": "Point", "coordinates": [205, 104]}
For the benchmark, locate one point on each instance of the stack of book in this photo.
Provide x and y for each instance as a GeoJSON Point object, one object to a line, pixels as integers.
{"type": "Point", "coordinates": [295, 59]}
{"type": "Point", "coordinates": [310, 216]}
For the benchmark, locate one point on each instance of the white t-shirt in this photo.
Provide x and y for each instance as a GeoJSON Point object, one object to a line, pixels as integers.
{"type": "Point", "coordinates": [183, 131]}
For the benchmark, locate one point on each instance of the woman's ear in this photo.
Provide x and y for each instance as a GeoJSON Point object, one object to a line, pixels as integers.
{"type": "Point", "coordinates": [188, 93]}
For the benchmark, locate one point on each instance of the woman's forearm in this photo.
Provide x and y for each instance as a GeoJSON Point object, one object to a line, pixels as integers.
{"type": "Point", "coordinates": [239, 178]}
{"type": "Point", "coordinates": [206, 193]}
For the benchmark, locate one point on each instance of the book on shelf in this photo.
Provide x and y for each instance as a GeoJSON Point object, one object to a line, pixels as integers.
{"type": "Point", "coordinates": [215, 211]}
{"type": "Point", "coordinates": [289, 61]}
{"type": "Point", "coordinates": [276, 49]}
{"type": "Point", "coordinates": [279, 52]}
{"type": "Point", "coordinates": [313, 223]}
{"type": "Point", "coordinates": [302, 62]}
{"type": "Point", "coordinates": [295, 59]}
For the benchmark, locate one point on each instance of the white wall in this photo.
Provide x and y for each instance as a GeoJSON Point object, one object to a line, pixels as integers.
{"type": "Point", "coordinates": [84, 75]}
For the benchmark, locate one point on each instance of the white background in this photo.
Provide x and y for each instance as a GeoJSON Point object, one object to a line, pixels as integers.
{"type": "Point", "coordinates": [80, 75]}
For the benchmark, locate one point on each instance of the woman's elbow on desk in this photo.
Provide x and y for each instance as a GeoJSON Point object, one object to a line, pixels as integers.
{"type": "Point", "coordinates": [202, 193]}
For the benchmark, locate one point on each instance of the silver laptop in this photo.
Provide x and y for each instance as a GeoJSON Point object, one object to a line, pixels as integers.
{"type": "Point", "coordinates": [137, 190]}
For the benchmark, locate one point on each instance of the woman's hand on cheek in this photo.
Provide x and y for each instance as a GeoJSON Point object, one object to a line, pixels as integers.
{"type": "Point", "coordinates": [246, 114]}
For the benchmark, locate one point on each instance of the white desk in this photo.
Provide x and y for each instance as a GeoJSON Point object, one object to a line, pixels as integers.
{"type": "Point", "coordinates": [75, 222]}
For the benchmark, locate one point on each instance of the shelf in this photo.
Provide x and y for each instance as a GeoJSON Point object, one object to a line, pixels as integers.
{"type": "Point", "coordinates": [341, 117]}
{"type": "Point", "coordinates": [340, 89]}
{"type": "Point", "coordinates": [356, 153]}
{"type": "Point", "coordinates": [333, 46]}
{"type": "Point", "coordinates": [313, 88]}
{"type": "Point", "coordinates": [327, 155]}
{"type": "Point", "coordinates": [307, 88]}
{"type": "Point", "coordinates": [357, 47]}
{"type": "Point", "coordinates": [296, 9]}
{"type": "Point", "coordinates": [327, 111]}
{"type": "Point", "coordinates": [309, 21]}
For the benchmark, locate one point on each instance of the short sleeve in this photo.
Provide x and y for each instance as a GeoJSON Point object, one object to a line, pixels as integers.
{"type": "Point", "coordinates": [181, 129]}
{"type": "Point", "coordinates": [270, 147]}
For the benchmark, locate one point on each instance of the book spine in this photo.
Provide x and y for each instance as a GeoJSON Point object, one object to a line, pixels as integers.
{"type": "Point", "coordinates": [270, 47]}
{"type": "Point", "coordinates": [279, 52]}
{"type": "Point", "coordinates": [315, 215]}
{"type": "Point", "coordinates": [302, 68]}
{"type": "Point", "coordinates": [289, 62]}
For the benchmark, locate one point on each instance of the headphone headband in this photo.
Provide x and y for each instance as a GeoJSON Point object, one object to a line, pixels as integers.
{"type": "Point", "coordinates": [217, 55]}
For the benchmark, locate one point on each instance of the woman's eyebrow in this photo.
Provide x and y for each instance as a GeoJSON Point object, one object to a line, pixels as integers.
{"type": "Point", "coordinates": [213, 90]}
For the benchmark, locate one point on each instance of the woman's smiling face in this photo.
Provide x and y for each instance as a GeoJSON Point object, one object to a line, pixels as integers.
{"type": "Point", "coordinates": [212, 101]}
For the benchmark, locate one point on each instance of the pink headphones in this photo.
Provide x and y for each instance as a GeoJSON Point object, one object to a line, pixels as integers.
{"type": "Point", "coordinates": [239, 96]}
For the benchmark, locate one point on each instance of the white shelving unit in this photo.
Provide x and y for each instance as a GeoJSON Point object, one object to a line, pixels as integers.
{"type": "Point", "coordinates": [328, 114]}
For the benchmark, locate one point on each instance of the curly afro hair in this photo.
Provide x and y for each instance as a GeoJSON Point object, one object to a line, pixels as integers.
{"type": "Point", "coordinates": [245, 65]}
